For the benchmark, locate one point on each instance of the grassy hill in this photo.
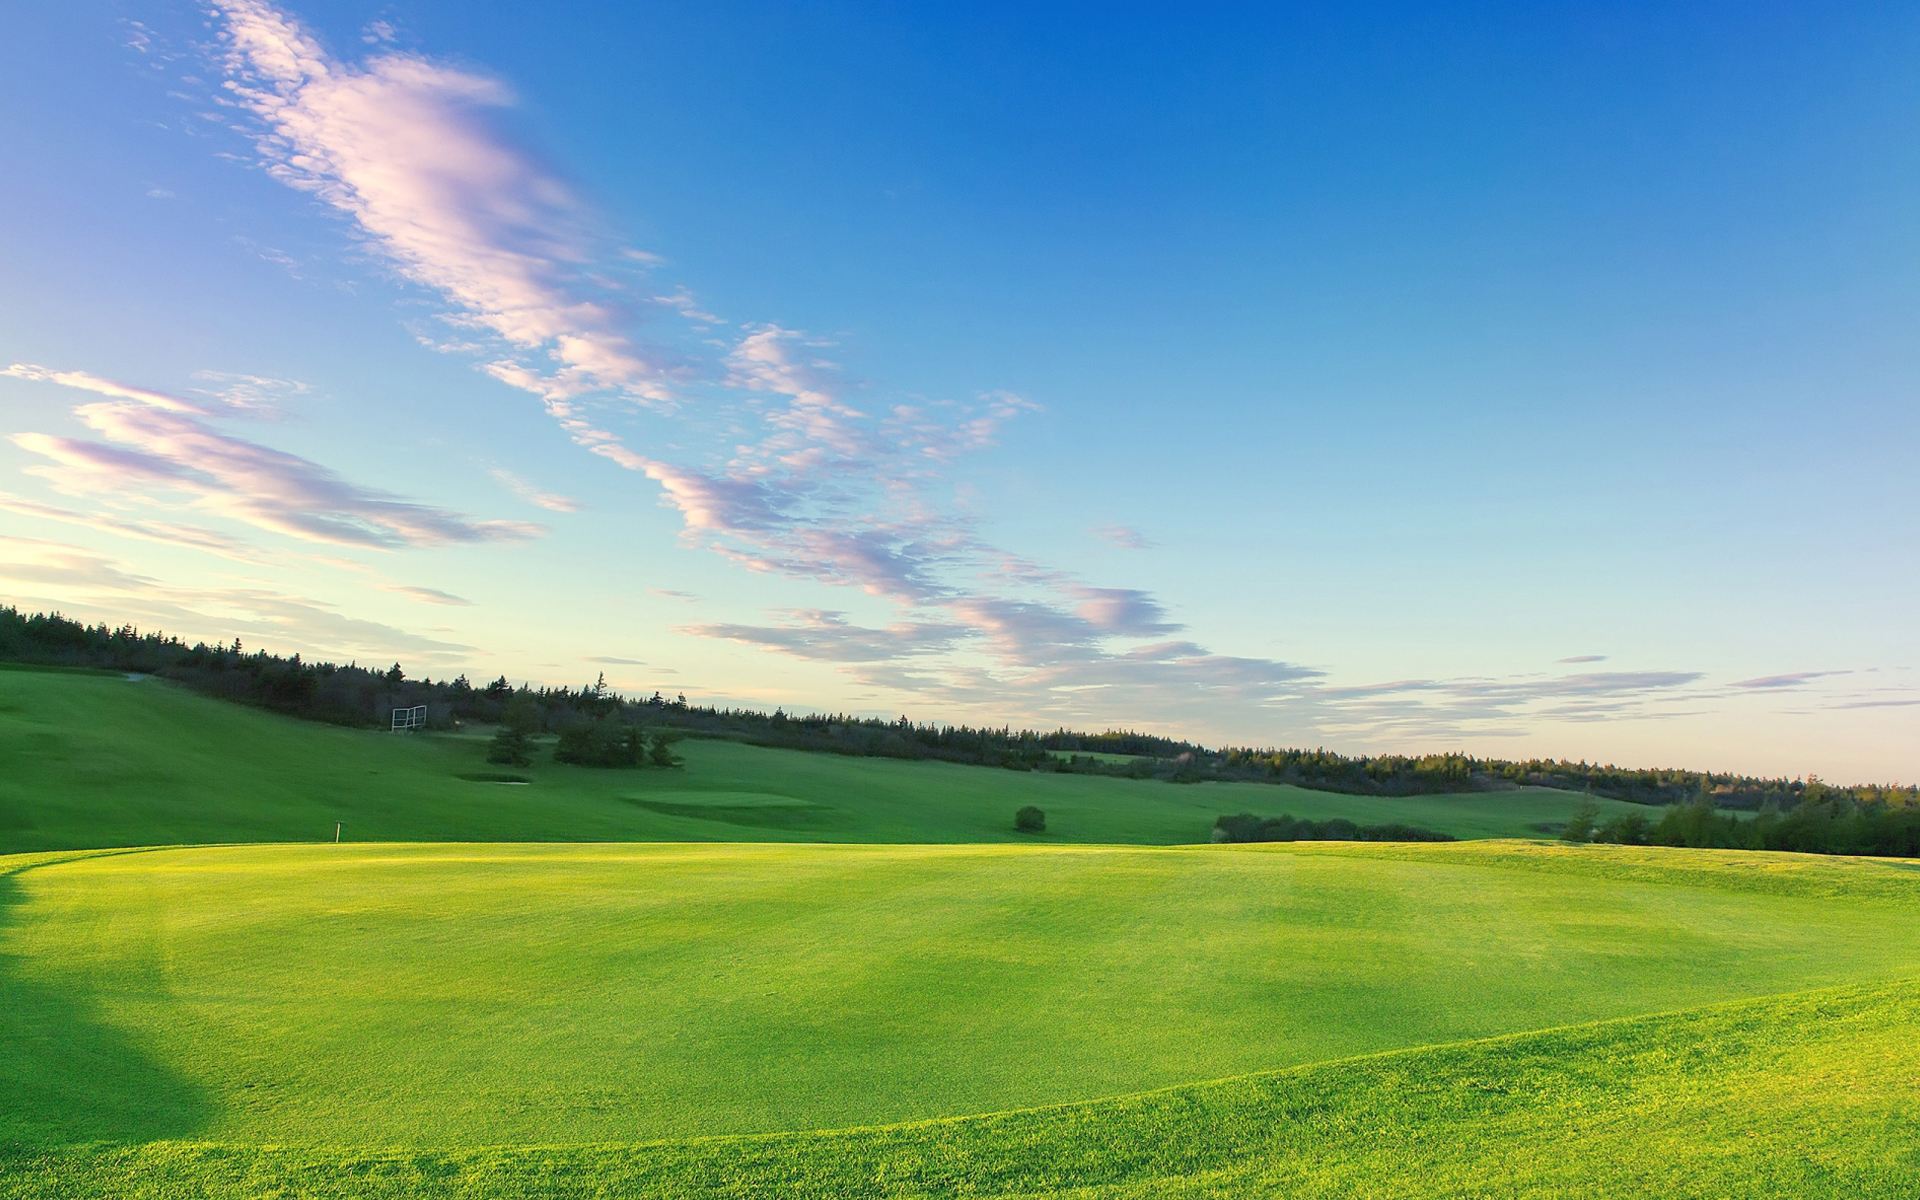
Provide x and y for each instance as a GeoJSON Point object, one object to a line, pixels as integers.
{"type": "Point", "coordinates": [98, 761]}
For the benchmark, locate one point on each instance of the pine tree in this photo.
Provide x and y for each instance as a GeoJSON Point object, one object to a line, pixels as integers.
{"type": "Point", "coordinates": [1579, 827]}
{"type": "Point", "coordinates": [509, 748]}
{"type": "Point", "coordinates": [661, 752]}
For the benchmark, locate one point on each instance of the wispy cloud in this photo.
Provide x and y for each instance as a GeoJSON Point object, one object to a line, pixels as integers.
{"type": "Point", "coordinates": [827, 636]}
{"type": "Point", "coordinates": [155, 442]}
{"type": "Point", "coordinates": [403, 147]}
{"type": "Point", "coordinates": [681, 301]}
{"type": "Point", "coordinates": [84, 583]}
{"type": "Point", "coordinates": [1127, 612]}
{"type": "Point", "coordinates": [86, 381]}
{"type": "Point", "coordinates": [1792, 679]}
{"type": "Point", "coordinates": [1406, 710]}
{"type": "Point", "coordinates": [1582, 658]}
{"type": "Point", "coordinates": [165, 533]}
{"type": "Point", "coordinates": [551, 501]}
{"type": "Point", "coordinates": [1124, 536]}
{"type": "Point", "coordinates": [427, 595]}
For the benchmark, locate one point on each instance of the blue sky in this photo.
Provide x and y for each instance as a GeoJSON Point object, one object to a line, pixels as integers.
{"type": "Point", "coordinates": [1522, 379]}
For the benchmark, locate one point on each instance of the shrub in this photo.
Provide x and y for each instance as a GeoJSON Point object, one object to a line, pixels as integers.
{"type": "Point", "coordinates": [1245, 827]}
{"type": "Point", "coordinates": [1030, 820]}
{"type": "Point", "coordinates": [509, 748]}
{"type": "Point", "coordinates": [660, 750]}
{"type": "Point", "coordinates": [1629, 830]}
{"type": "Point", "coordinates": [602, 743]}
{"type": "Point", "coordinates": [1579, 827]}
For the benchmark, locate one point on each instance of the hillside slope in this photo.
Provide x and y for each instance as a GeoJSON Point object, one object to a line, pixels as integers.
{"type": "Point", "coordinates": [99, 761]}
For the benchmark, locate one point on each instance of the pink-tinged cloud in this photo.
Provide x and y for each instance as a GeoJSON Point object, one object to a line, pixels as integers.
{"type": "Point", "coordinates": [161, 449]}
{"type": "Point", "coordinates": [87, 382]}
{"type": "Point", "coordinates": [713, 504]}
{"type": "Point", "coordinates": [1026, 633]}
{"type": "Point", "coordinates": [165, 533]}
{"type": "Point", "coordinates": [551, 501]}
{"type": "Point", "coordinates": [427, 595]}
{"type": "Point", "coordinates": [88, 585]}
{"type": "Point", "coordinates": [403, 147]}
{"type": "Point", "coordinates": [681, 301]}
{"type": "Point", "coordinates": [1124, 536]}
{"type": "Point", "coordinates": [1127, 612]}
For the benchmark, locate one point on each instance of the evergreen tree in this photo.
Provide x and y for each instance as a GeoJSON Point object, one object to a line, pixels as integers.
{"type": "Point", "coordinates": [1579, 827]}
{"type": "Point", "coordinates": [509, 748]}
{"type": "Point", "coordinates": [660, 753]}
{"type": "Point", "coordinates": [522, 713]}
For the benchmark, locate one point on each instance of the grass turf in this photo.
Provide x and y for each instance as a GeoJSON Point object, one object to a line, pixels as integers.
{"type": "Point", "coordinates": [1806, 1095]}
{"type": "Point", "coordinates": [440, 996]}
{"type": "Point", "coordinates": [97, 761]}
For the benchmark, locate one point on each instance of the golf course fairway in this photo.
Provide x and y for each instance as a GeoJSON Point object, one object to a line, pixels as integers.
{"type": "Point", "coordinates": [331, 1002]}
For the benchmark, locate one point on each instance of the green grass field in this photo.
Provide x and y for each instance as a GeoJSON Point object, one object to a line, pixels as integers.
{"type": "Point", "coordinates": [896, 996]}
{"type": "Point", "coordinates": [1805, 1095]}
{"type": "Point", "coordinates": [102, 761]}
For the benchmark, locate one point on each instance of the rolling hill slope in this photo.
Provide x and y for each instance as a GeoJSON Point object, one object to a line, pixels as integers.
{"type": "Point", "coordinates": [99, 761]}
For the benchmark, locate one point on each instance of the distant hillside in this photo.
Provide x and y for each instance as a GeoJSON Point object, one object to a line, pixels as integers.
{"type": "Point", "coordinates": [355, 695]}
{"type": "Point", "coordinates": [100, 760]}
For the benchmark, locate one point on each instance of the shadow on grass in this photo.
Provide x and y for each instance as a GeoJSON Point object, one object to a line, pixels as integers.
{"type": "Point", "coordinates": [751, 816]}
{"type": "Point", "coordinates": [66, 1075]}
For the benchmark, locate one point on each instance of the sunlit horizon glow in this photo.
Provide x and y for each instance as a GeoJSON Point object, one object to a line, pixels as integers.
{"type": "Point", "coordinates": [1545, 401]}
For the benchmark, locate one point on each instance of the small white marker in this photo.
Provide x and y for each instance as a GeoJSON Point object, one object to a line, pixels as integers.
{"type": "Point", "coordinates": [336, 833]}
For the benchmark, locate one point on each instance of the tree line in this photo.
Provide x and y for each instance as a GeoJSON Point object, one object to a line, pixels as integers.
{"type": "Point", "coordinates": [1397, 775]}
{"type": "Point", "coordinates": [357, 695]}
{"type": "Point", "coordinates": [610, 738]}
{"type": "Point", "coordinates": [1823, 820]}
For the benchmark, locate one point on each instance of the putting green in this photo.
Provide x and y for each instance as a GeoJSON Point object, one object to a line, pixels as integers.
{"type": "Point", "coordinates": [1807, 1095]}
{"type": "Point", "coordinates": [441, 996]}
